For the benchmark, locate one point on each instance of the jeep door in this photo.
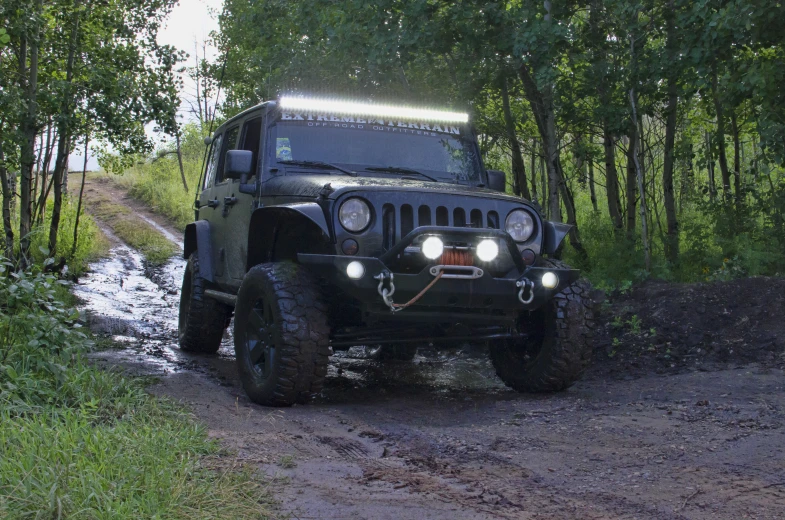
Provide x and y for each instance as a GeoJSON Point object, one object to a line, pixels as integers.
{"type": "Point", "coordinates": [214, 205]}
{"type": "Point", "coordinates": [238, 218]}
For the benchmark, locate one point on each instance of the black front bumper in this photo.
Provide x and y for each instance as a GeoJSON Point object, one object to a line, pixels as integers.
{"type": "Point", "coordinates": [482, 294]}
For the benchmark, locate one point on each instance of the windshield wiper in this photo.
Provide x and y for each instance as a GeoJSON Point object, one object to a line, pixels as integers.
{"type": "Point", "coordinates": [399, 169]}
{"type": "Point", "coordinates": [319, 164]}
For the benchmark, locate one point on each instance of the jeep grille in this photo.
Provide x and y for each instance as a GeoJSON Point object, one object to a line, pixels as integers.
{"type": "Point", "coordinates": [399, 221]}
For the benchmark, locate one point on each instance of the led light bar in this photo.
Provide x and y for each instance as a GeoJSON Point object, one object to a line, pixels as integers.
{"type": "Point", "coordinates": [337, 106]}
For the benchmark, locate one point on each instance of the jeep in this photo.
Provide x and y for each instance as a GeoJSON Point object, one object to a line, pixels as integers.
{"type": "Point", "coordinates": [324, 224]}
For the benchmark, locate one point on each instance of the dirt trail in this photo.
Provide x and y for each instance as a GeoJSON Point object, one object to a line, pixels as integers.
{"type": "Point", "coordinates": [442, 438]}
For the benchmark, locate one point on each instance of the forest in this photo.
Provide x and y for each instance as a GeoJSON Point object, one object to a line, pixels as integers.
{"type": "Point", "coordinates": [656, 128]}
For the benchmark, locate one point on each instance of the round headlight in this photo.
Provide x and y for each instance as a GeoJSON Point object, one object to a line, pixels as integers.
{"type": "Point", "coordinates": [354, 215]}
{"type": "Point", "coordinates": [519, 225]}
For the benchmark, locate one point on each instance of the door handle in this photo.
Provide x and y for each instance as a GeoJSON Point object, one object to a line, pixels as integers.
{"type": "Point", "coordinates": [213, 203]}
{"type": "Point", "coordinates": [230, 201]}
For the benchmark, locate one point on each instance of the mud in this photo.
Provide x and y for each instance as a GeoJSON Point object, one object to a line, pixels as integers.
{"type": "Point", "coordinates": [442, 438]}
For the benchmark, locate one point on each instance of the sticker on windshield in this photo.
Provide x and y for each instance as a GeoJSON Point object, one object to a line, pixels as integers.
{"type": "Point", "coordinates": [283, 150]}
{"type": "Point", "coordinates": [378, 125]}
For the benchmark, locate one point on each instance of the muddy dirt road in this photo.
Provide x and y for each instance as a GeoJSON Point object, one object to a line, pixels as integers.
{"type": "Point", "coordinates": [442, 438]}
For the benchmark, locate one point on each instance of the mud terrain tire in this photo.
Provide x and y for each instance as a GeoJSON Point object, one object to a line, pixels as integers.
{"type": "Point", "coordinates": [281, 335]}
{"type": "Point", "coordinates": [202, 320]}
{"type": "Point", "coordinates": [402, 352]}
{"type": "Point", "coordinates": [559, 348]}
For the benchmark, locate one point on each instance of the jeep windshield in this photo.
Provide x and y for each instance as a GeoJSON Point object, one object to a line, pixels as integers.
{"type": "Point", "coordinates": [370, 147]}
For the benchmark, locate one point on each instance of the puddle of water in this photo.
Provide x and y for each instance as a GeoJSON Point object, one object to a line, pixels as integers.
{"type": "Point", "coordinates": [139, 309]}
{"type": "Point", "coordinates": [121, 301]}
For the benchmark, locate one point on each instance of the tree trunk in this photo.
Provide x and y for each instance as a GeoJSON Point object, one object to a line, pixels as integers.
{"type": "Point", "coordinates": [533, 170]}
{"type": "Point", "coordinates": [574, 235]}
{"type": "Point", "coordinates": [630, 183]}
{"type": "Point", "coordinates": [612, 179]}
{"type": "Point", "coordinates": [542, 107]}
{"type": "Point", "coordinates": [720, 137]}
{"type": "Point", "coordinates": [672, 233]}
{"type": "Point", "coordinates": [8, 195]}
{"type": "Point", "coordinates": [543, 184]}
{"type": "Point", "coordinates": [736, 157]}
{"type": "Point", "coordinates": [61, 169]}
{"type": "Point", "coordinates": [180, 160]}
{"type": "Point", "coordinates": [64, 137]}
{"type": "Point", "coordinates": [39, 210]}
{"type": "Point", "coordinates": [592, 191]}
{"type": "Point", "coordinates": [641, 187]}
{"type": "Point", "coordinates": [710, 167]}
{"type": "Point", "coordinates": [518, 166]}
{"type": "Point", "coordinates": [81, 193]}
{"type": "Point", "coordinates": [29, 131]}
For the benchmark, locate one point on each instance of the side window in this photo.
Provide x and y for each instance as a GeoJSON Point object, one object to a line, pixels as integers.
{"type": "Point", "coordinates": [212, 163]}
{"type": "Point", "coordinates": [230, 144]}
{"type": "Point", "coordinates": [252, 133]}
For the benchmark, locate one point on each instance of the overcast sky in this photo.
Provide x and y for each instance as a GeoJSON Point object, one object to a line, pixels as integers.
{"type": "Point", "coordinates": [190, 20]}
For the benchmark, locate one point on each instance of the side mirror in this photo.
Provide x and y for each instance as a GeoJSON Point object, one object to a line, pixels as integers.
{"type": "Point", "coordinates": [208, 140]}
{"type": "Point", "coordinates": [497, 180]}
{"type": "Point", "coordinates": [239, 165]}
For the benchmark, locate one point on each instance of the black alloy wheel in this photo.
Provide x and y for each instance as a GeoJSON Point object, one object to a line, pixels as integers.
{"type": "Point", "coordinates": [260, 337]}
{"type": "Point", "coordinates": [281, 335]}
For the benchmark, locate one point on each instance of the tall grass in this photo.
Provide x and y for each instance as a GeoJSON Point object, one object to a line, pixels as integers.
{"type": "Point", "coordinates": [159, 185]}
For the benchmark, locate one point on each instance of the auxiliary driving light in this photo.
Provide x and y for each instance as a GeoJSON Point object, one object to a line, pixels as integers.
{"type": "Point", "coordinates": [550, 280]}
{"type": "Point", "coordinates": [487, 250]}
{"type": "Point", "coordinates": [355, 270]}
{"type": "Point", "coordinates": [340, 106]}
{"type": "Point", "coordinates": [432, 248]}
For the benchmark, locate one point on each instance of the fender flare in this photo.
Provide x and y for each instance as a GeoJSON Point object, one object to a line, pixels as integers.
{"type": "Point", "coordinates": [311, 211]}
{"type": "Point", "coordinates": [554, 233]}
{"type": "Point", "coordinates": [264, 227]}
{"type": "Point", "coordinates": [197, 239]}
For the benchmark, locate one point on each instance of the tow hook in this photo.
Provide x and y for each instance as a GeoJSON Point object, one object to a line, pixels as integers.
{"type": "Point", "coordinates": [386, 293]}
{"type": "Point", "coordinates": [383, 291]}
{"type": "Point", "coordinates": [525, 285]}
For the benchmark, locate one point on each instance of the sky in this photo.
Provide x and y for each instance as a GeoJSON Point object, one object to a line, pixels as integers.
{"type": "Point", "coordinates": [190, 20]}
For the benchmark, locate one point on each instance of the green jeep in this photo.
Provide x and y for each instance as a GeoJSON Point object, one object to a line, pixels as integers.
{"type": "Point", "coordinates": [325, 224]}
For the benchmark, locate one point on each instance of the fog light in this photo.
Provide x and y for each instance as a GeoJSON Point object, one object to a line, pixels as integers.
{"type": "Point", "coordinates": [432, 248]}
{"type": "Point", "coordinates": [355, 270]}
{"type": "Point", "coordinates": [550, 280]}
{"type": "Point", "coordinates": [487, 250]}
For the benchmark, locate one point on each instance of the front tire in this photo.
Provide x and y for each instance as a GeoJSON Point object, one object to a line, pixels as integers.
{"type": "Point", "coordinates": [202, 320]}
{"type": "Point", "coordinates": [558, 348]}
{"type": "Point", "coordinates": [281, 335]}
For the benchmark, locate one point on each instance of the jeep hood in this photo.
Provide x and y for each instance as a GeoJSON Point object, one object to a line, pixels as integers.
{"type": "Point", "coordinates": [313, 186]}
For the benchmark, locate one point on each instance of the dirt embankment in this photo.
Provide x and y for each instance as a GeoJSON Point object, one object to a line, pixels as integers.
{"type": "Point", "coordinates": [666, 328]}
{"type": "Point", "coordinates": [681, 416]}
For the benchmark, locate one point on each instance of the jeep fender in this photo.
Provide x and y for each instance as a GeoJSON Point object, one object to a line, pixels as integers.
{"type": "Point", "coordinates": [197, 238]}
{"type": "Point", "coordinates": [280, 232]}
{"type": "Point", "coordinates": [554, 233]}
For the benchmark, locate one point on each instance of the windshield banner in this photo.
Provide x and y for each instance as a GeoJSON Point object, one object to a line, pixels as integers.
{"type": "Point", "coordinates": [378, 125]}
